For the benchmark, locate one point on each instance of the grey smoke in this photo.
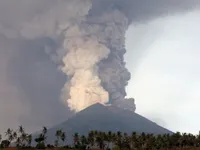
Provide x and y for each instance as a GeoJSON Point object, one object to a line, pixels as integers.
{"type": "Point", "coordinates": [33, 28]}
{"type": "Point", "coordinates": [30, 85]}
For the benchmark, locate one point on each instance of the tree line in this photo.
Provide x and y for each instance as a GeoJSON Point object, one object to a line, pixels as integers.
{"type": "Point", "coordinates": [101, 140]}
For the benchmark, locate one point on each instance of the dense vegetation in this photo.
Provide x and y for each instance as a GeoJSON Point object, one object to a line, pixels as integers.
{"type": "Point", "coordinates": [101, 140]}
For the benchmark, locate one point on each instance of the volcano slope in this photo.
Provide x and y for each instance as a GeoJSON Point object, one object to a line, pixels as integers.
{"type": "Point", "coordinates": [104, 118]}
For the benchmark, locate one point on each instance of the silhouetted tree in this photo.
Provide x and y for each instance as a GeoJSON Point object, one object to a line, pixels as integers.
{"type": "Point", "coordinates": [58, 136]}
{"type": "Point", "coordinates": [63, 137]}
{"type": "Point", "coordinates": [5, 144]}
{"type": "Point", "coordinates": [40, 141]}
{"type": "Point", "coordinates": [29, 140]}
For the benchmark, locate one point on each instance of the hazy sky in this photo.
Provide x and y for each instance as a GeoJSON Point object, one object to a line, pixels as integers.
{"type": "Point", "coordinates": [166, 78]}
{"type": "Point", "coordinates": [162, 57]}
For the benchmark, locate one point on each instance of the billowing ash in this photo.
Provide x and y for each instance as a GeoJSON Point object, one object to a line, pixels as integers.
{"type": "Point", "coordinates": [91, 39]}
{"type": "Point", "coordinates": [91, 35]}
{"type": "Point", "coordinates": [95, 47]}
{"type": "Point", "coordinates": [92, 47]}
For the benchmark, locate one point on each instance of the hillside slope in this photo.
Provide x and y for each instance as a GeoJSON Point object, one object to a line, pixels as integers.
{"type": "Point", "coordinates": [102, 118]}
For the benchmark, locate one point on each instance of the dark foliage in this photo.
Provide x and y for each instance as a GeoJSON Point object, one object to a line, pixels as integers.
{"type": "Point", "coordinates": [5, 144]}
{"type": "Point", "coordinates": [108, 140]}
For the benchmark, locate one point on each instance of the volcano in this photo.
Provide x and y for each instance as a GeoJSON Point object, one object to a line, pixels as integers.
{"type": "Point", "coordinates": [105, 118]}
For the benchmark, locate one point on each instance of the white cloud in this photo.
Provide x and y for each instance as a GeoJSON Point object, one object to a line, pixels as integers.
{"type": "Point", "coordinates": [166, 81]}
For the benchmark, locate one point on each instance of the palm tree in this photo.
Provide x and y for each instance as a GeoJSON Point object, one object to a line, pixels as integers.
{"type": "Point", "coordinates": [150, 141]}
{"type": "Point", "coordinates": [58, 135]}
{"type": "Point", "coordinates": [10, 138]}
{"type": "Point", "coordinates": [63, 137]}
{"type": "Point", "coordinates": [166, 140]}
{"type": "Point", "coordinates": [29, 140]}
{"type": "Point", "coordinates": [84, 143]}
{"type": "Point", "coordinates": [15, 135]}
{"type": "Point", "coordinates": [99, 140]}
{"type": "Point", "coordinates": [76, 139]}
{"type": "Point", "coordinates": [105, 139]}
{"type": "Point", "coordinates": [8, 132]}
{"type": "Point", "coordinates": [18, 142]}
{"type": "Point", "coordinates": [5, 144]}
{"type": "Point", "coordinates": [40, 141]}
{"type": "Point", "coordinates": [44, 132]}
{"type": "Point", "coordinates": [119, 140]}
{"type": "Point", "coordinates": [133, 139]}
{"type": "Point", "coordinates": [109, 138]}
{"type": "Point", "coordinates": [24, 139]}
{"type": "Point", "coordinates": [126, 141]}
{"type": "Point", "coordinates": [160, 142]}
{"type": "Point", "coordinates": [91, 138]}
{"type": "Point", "coordinates": [21, 130]}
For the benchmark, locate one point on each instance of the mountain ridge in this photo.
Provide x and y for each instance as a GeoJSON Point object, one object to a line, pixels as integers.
{"type": "Point", "coordinates": [105, 118]}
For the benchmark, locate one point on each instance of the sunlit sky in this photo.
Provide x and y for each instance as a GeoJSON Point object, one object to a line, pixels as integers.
{"type": "Point", "coordinates": [164, 58]}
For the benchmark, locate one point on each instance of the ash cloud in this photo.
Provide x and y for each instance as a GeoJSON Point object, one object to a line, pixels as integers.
{"type": "Point", "coordinates": [71, 32]}
{"type": "Point", "coordinates": [30, 85]}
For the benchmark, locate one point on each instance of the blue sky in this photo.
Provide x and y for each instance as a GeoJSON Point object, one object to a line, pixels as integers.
{"type": "Point", "coordinates": [163, 57]}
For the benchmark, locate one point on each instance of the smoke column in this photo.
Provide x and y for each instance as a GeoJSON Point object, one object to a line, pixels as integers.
{"type": "Point", "coordinates": [92, 50]}
{"type": "Point", "coordinates": [91, 35]}
{"type": "Point", "coordinates": [94, 60]}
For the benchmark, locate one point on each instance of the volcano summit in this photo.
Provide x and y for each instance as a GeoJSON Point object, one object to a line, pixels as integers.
{"type": "Point", "coordinates": [105, 118]}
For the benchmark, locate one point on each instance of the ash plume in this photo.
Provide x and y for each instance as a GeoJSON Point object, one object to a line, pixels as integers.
{"type": "Point", "coordinates": [91, 39]}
